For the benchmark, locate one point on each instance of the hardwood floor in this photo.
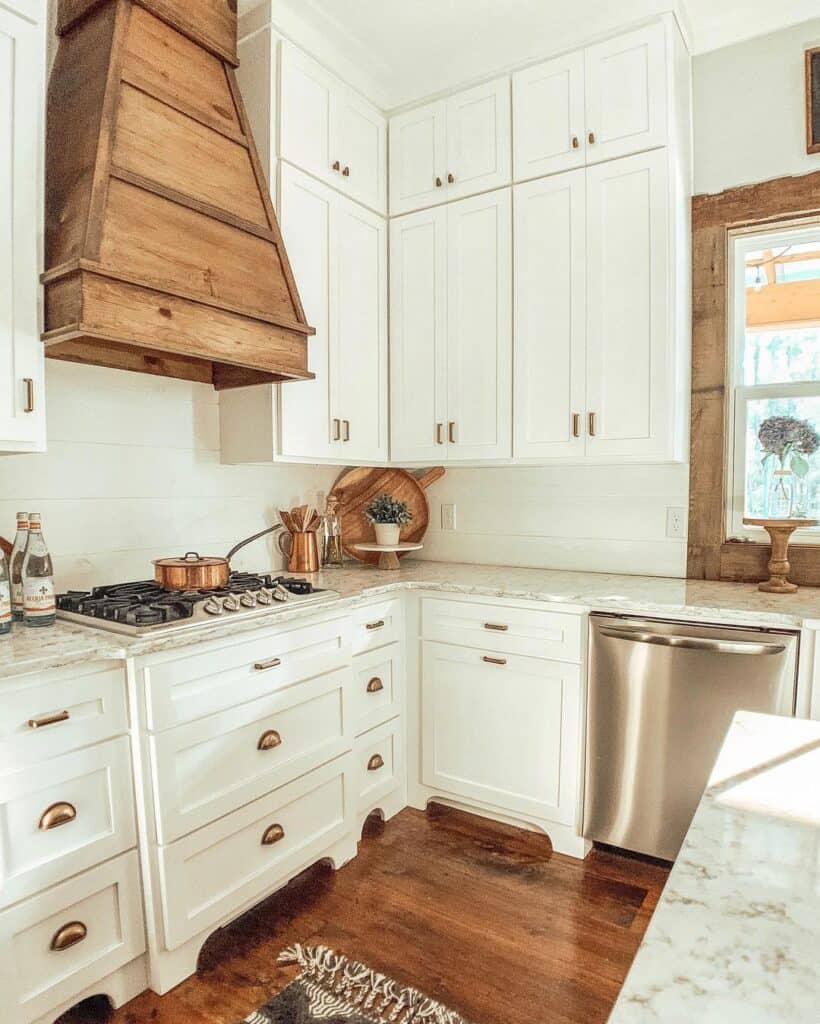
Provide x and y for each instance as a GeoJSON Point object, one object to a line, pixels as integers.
{"type": "Point", "coordinates": [481, 916]}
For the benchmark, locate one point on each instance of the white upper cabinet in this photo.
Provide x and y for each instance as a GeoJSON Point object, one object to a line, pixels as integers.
{"type": "Point", "coordinates": [479, 327]}
{"type": "Point", "coordinates": [626, 94]}
{"type": "Point", "coordinates": [550, 316]}
{"type": "Point", "coordinates": [451, 324]}
{"type": "Point", "coordinates": [630, 354]}
{"type": "Point", "coordinates": [607, 101]}
{"type": "Point", "coordinates": [418, 336]}
{"type": "Point", "coordinates": [452, 148]}
{"type": "Point", "coordinates": [418, 158]}
{"type": "Point", "coordinates": [329, 131]}
{"type": "Point", "coordinates": [22, 401]}
{"type": "Point", "coordinates": [549, 124]}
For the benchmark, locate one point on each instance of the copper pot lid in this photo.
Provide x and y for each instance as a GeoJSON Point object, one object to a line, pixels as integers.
{"type": "Point", "coordinates": [189, 559]}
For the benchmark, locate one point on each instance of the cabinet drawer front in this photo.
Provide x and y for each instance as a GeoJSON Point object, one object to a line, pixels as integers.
{"type": "Point", "coordinates": [524, 631]}
{"type": "Point", "coordinates": [376, 625]}
{"type": "Point", "coordinates": [379, 760]}
{"type": "Point", "coordinates": [63, 816]}
{"type": "Point", "coordinates": [505, 732]}
{"type": "Point", "coordinates": [210, 875]}
{"type": "Point", "coordinates": [203, 679]}
{"type": "Point", "coordinates": [104, 903]}
{"type": "Point", "coordinates": [59, 711]}
{"type": "Point", "coordinates": [249, 751]}
{"type": "Point", "coordinates": [378, 687]}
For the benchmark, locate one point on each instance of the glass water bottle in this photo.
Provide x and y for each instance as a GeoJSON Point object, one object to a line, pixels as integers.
{"type": "Point", "coordinates": [5, 596]}
{"type": "Point", "coordinates": [16, 566]}
{"type": "Point", "coordinates": [39, 607]}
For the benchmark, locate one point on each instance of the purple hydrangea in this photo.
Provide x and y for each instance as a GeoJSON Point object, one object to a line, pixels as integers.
{"type": "Point", "coordinates": [784, 435]}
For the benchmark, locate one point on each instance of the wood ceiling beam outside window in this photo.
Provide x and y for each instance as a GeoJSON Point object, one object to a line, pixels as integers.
{"type": "Point", "coordinates": [710, 556]}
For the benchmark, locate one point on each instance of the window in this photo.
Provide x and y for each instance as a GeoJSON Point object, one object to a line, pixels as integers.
{"type": "Point", "coordinates": [774, 374]}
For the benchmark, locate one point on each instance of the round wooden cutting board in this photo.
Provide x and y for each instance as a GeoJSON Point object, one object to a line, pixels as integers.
{"type": "Point", "coordinates": [356, 488]}
{"type": "Point", "coordinates": [5, 547]}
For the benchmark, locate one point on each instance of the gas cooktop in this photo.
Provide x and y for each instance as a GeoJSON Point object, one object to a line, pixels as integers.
{"type": "Point", "coordinates": [145, 609]}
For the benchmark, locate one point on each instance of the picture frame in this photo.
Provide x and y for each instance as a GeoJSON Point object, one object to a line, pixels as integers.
{"type": "Point", "coordinates": [813, 100]}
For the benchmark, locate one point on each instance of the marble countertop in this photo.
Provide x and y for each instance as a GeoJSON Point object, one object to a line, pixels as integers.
{"type": "Point", "coordinates": [735, 936]}
{"type": "Point", "coordinates": [29, 651]}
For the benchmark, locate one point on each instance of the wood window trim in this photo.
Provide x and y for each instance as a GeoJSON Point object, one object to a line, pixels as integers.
{"type": "Point", "coordinates": [710, 556]}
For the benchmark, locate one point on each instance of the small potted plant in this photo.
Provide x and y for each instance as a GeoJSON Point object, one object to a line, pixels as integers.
{"type": "Point", "coordinates": [388, 516]}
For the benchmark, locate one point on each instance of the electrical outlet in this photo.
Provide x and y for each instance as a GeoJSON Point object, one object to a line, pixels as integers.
{"type": "Point", "coordinates": [448, 517]}
{"type": "Point", "coordinates": [676, 522]}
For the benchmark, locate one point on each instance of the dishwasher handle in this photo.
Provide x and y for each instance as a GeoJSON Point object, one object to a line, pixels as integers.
{"type": "Point", "coordinates": [693, 643]}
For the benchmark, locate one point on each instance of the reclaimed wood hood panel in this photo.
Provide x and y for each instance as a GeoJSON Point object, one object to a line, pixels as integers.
{"type": "Point", "coordinates": [163, 252]}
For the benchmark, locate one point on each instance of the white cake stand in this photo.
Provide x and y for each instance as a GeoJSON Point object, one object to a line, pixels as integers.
{"type": "Point", "coordinates": [388, 553]}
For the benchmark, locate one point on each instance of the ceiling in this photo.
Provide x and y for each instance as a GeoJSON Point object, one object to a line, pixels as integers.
{"type": "Point", "coordinates": [415, 48]}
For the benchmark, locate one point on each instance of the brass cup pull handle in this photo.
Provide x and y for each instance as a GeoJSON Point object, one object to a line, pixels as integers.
{"type": "Point", "coordinates": [591, 138]}
{"type": "Point", "coordinates": [592, 424]}
{"type": "Point", "coordinates": [451, 432]}
{"type": "Point", "coordinates": [439, 182]}
{"type": "Point", "coordinates": [375, 685]}
{"type": "Point", "coordinates": [263, 666]}
{"type": "Point", "coordinates": [375, 762]}
{"type": "Point", "coordinates": [29, 383]}
{"type": "Point", "coordinates": [269, 740]}
{"type": "Point", "coordinates": [451, 179]}
{"type": "Point", "coordinates": [494, 661]}
{"type": "Point", "coordinates": [273, 834]}
{"type": "Point", "coordinates": [58, 814]}
{"type": "Point", "coordinates": [69, 935]}
{"type": "Point", "coordinates": [346, 172]}
{"type": "Point", "coordinates": [41, 723]}
{"type": "Point", "coordinates": [375, 625]}
{"type": "Point", "coordinates": [497, 626]}
{"type": "Point", "coordinates": [337, 166]}
{"type": "Point", "coordinates": [576, 424]}
{"type": "Point", "coordinates": [576, 142]}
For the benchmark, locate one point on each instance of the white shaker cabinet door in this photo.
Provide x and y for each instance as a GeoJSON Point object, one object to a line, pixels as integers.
{"type": "Point", "coordinates": [628, 338]}
{"type": "Point", "coordinates": [549, 126]}
{"type": "Point", "coordinates": [550, 315]}
{"type": "Point", "coordinates": [22, 402]}
{"type": "Point", "coordinates": [359, 135]}
{"type": "Point", "coordinates": [418, 158]}
{"type": "Point", "coordinates": [359, 337]}
{"type": "Point", "coordinates": [479, 327]}
{"type": "Point", "coordinates": [418, 336]}
{"type": "Point", "coordinates": [479, 139]}
{"type": "Point", "coordinates": [305, 114]}
{"type": "Point", "coordinates": [626, 94]}
{"type": "Point", "coordinates": [306, 212]}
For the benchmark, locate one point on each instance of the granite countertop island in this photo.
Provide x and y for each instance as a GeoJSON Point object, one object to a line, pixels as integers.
{"type": "Point", "coordinates": [29, 651]}
{"type": "Point", "coordinates": [736, 934]}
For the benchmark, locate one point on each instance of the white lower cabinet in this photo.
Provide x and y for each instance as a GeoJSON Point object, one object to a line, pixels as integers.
{"type": "Point", "coordinates": [502, 729]}
{"type": "Point", "coordinates": [378, 759]}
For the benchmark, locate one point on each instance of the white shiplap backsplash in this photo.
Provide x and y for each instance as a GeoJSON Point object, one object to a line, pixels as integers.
{"type": "Point", "coordinates": [586, 518]}
{"type": "Point", "coordinates": [133, 473]}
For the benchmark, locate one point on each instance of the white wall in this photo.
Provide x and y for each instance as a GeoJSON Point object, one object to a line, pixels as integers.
{"type": "Point", "coordinates": [132, 473]}
{"type": "Point", "coordinates": [749, 110]}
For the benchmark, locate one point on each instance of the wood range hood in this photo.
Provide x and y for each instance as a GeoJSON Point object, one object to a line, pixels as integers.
{"type": "Point", "coordinates": [163, 253]}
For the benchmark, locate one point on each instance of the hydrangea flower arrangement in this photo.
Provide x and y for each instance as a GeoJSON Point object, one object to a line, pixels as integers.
{"type": "Point", "coordinates": [790, 439]}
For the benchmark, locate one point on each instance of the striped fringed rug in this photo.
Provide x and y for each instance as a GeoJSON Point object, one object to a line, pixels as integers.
{"type": "Point", "coordinates": [335, 990]}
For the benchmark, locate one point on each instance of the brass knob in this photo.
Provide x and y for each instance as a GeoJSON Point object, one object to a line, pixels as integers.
{"type": "Point", "coordinates": [591, 138]}
{"type": "Point", "coordinates": [375, 685]}
{"type": "Point", "coordinates": [273, 834]}
{"type": "Point", "coordinates": [58, 814]}
{"type": "Point", "coordinates": [269, 740]}
{"type": "Point", "coordinates": [39, 723]}
{"type": "Point", "coordinates": [451, 179]}
{"type": "Point", "coordinates": [439, 182]}
{"type": "Point", "coordinates": [69, 935]}
{"type": "Point", "coordinates": [576, 142]}
{"type": "Point", "coordinates": [375, 762]}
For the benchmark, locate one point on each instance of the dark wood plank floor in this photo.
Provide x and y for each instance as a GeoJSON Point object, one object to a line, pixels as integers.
{"type": "Point", "coordinates": [483, 917]}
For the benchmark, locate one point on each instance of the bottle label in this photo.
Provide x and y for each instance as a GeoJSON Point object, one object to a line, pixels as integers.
{"type": "Point", "coordinates": [38, 597]}
{"type": "Point", "coordinates": [5, 603]}
{"type": "Point", "coordinates": [17, 596]}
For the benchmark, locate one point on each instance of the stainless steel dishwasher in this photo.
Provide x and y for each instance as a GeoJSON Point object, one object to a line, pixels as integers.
{"type": "Point", "coordinates": [661, 697]}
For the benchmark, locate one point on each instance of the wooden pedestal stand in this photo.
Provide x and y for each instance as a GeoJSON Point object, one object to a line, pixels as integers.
{"type": "Point", "coordinates": [780, 530]}
{"type": "Point", "coordinates": [388, 553]}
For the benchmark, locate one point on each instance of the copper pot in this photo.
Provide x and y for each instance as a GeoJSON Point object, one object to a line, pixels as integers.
{"type": "Point", "coordinates": [194, 572]}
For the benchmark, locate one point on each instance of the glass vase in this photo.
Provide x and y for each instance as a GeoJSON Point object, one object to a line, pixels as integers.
{"type": "Point", "coordinates": [781, 494]}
